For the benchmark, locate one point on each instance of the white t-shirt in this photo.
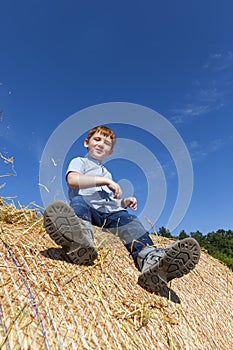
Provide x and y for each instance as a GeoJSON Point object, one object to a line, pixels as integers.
{"type": "Point", "coordinates": [99, 197]}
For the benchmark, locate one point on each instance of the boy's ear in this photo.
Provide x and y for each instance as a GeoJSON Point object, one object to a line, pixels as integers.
{"type": "Point", "coordinates": [86, 143]}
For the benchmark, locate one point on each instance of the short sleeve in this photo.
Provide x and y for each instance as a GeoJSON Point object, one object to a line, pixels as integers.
{"type": "Point", "coordinates": [76, 164]}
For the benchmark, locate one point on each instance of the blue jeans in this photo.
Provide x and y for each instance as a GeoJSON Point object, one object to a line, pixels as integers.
{"type": "Point", "coordinates": [126, 226]}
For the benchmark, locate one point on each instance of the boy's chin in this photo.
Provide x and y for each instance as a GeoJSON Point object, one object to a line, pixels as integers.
{"type": "Point", "coordinates": [96, 157]}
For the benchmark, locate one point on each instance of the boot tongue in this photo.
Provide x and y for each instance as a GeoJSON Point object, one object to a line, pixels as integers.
{"type": "Point", "coordinates": [150, 256]}
{"type": "Point", "coordinates": [142, 256]}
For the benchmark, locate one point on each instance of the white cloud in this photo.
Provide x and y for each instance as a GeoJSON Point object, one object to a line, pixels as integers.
{"type": "Point", "coordinates": [181, 115]}
{"type": "Point", "coordinates": [199, 151]}
{"type": "Point", "coordinates": [216, 55]}
{"type": "Point", "coordinates": [219, 61]}
{"type": "Point", "coordinates": [215, 145]}
{"type": "Point", "coordinates": [209, 92]}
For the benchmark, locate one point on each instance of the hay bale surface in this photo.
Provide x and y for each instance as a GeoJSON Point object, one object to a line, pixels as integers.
{"type": "Point", "coordinates": [49, 303]}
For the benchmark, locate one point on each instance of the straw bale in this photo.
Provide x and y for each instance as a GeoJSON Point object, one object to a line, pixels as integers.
{"type": "Point", "coordinates": [29, 215]}
{"type": "Point", "coordinates": [49, 303]}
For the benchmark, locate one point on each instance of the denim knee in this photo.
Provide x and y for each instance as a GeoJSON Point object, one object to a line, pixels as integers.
{"type": "Point", "coordinates": [81, 208]}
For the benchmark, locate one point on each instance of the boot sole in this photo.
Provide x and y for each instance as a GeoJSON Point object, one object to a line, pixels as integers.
{"type": "Point", "coordinates": [64, 227]}
{"type": "Point", "coordinates": [179, 260]}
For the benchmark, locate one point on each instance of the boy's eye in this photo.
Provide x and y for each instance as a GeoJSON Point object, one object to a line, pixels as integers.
{"type": "Point", "coordinates": [106, 142]}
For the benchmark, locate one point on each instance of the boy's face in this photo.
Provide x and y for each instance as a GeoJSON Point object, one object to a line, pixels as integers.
{"type": "Point", "coordinates": [99, 146]}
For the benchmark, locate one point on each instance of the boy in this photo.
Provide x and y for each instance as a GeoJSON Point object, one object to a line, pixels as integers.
{"type": "Point", "coordinates": [95, 199]}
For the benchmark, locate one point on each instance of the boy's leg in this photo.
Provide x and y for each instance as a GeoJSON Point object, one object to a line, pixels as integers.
{"type": "Point", "coordinates": [158, 266]}
{"type": "Point", "coordinates": [131, 231]}
{"type": "Point", "coordinates": [85, 212]}
{"type": "Point", "coordinates": [73, 234]}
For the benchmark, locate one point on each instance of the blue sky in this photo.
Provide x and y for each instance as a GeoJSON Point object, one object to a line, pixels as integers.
{"type": "Point", "coordinates": [174, 57]}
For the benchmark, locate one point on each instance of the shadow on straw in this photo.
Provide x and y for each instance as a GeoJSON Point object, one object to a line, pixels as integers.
{"type": "Point", "coordinates": [168, 293]}
{"type": "Point", "coordinates": [56, 254]}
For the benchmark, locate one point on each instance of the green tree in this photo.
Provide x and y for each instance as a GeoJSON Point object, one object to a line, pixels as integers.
{"type": "Point", "coordinates": [183, 235]}
{"type": "Point", "coordinates": [164, 232]}
{"type": "Point", "coordinates": [198, 236]}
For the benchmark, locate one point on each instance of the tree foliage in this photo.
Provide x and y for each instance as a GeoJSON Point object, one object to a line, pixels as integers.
{"type": "Point", "coordinates": [164, 232]}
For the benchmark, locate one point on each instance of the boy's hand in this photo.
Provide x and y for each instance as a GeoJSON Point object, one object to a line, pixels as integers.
{"type": "Point", "coordinates": [130, 202]}
{"type": "Point", "coordinates": [115, 188]}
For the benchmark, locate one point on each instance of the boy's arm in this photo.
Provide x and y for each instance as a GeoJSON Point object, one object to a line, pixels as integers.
{"type": "Point", "coordinates": [77, 180]}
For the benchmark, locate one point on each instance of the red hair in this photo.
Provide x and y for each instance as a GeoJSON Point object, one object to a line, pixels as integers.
{"type": "Point", "coordinates": [104, 130]}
